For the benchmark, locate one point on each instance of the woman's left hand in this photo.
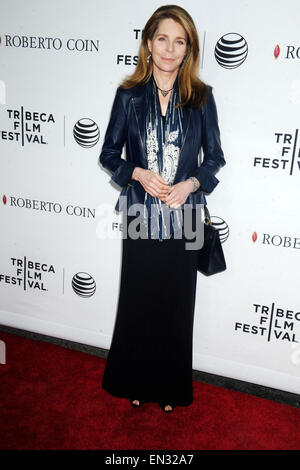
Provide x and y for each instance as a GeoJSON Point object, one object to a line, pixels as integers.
{"type": "Point", "coordinates": [178, 194]}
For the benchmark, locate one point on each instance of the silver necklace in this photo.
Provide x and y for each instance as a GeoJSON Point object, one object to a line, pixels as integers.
{"type": "Point", "coordinates": [164, 92]}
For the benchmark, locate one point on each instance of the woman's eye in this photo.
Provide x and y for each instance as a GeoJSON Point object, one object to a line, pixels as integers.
{"type": "Point", "coordinates": [178, 42]}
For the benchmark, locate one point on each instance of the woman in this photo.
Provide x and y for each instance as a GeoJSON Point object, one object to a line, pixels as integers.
{"type": "Point", "coordinates": [164, 114]}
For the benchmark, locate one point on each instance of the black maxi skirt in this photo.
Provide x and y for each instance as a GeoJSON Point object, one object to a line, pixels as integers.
{"type": "Point", "coordinates": [150, 357]}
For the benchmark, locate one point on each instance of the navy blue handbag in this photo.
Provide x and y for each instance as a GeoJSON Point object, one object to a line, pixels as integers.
{"type": "Point", "coordinates": [211, 258]}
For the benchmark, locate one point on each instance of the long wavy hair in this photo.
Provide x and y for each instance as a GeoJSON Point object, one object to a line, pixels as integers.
{"type": "Point", "coordinates": [194, 92]}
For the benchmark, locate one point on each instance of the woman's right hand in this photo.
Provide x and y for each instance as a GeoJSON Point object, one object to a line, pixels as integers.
{"type": "Point", "coordinates": [152, 182]}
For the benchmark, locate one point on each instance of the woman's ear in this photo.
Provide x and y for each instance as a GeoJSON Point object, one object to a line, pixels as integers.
{"type": "Point", "coordinates": [149, 44]}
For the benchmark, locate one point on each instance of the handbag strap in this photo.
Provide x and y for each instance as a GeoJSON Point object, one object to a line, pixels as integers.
{"type": "Point", "coordinates": [207, 215]}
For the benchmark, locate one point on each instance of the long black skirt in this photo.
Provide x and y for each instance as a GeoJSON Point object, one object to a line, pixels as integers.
{"type": "Point", "coordinates": [150, 357]}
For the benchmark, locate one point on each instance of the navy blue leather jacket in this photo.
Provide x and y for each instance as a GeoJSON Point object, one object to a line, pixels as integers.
{"type": "Point", "coordinates": [127, 125]}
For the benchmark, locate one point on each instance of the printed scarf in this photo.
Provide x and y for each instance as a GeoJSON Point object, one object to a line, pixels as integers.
{"type": "Point", "coordinates": [163, 144]}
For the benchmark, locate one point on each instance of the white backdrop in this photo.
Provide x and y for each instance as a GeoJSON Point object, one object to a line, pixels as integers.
{"type": "Point", "coordinates": [60, 64]}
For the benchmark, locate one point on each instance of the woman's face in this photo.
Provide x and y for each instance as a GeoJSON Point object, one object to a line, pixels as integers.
{"type": "Point", "coordinates": [168, 46]}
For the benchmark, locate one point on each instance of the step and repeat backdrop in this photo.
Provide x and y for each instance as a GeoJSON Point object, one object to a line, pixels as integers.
{"type": "Point", "coordinates": [60, 251]}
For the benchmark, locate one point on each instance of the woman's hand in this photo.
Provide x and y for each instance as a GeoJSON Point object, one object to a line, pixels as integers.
{"type": "Point", "coordinates": [179, 193]}
{"type": "Point", "coordinates": [152, 182]}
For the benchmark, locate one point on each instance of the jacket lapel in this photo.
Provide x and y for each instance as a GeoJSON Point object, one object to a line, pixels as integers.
{"type": "Point", "coordinates": [185, 127]}
{"type": "Point", "coordinates": [139, 107]}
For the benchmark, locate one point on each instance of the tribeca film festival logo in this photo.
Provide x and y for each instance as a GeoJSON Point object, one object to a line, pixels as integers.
{"type": "Point", "coordinates": [28, 274]}
{"type": "Point", "coordinates": [272, 323]}
{"type": "Point", "coordinates": [26, 127]}
{"type": "Point", "coordinates": [130, 59]}
{"type": "Point", "coordinates": [289, 154]}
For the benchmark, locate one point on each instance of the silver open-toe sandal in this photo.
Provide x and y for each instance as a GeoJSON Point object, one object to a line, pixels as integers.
{"type": "Point", "coordinates": [135, 404]}
{"type": "Point", "coordinates": [163, 406]}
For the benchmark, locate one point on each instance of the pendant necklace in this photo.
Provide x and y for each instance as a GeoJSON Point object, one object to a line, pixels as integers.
{"type": "Point", "coordinates": [164, 92]}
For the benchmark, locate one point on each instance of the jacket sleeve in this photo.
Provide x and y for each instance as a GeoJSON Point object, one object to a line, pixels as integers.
{"type": "Point", "coordinates": [110, 156]}
{"type": "Point", "coordinates": [213, 157]}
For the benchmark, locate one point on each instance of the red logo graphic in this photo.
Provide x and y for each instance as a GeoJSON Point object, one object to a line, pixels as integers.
{"type": "Point", "coordinates": [4, 199]}
{"type": "Point", "coordinates": [254, 236]}
{"type": "Point", "coordinates": [276, 51]}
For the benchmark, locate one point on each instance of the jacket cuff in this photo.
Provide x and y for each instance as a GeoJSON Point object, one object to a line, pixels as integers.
{"type": "Point", "coordinates": [207, 180]}
{"type": "Point", "coordinates": [123, 173]}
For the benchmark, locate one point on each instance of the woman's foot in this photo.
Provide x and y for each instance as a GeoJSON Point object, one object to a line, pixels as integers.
{"type": "Point", "coordinates": [136, 403]}
{"type": "Point", "coordinates": [167, 408]}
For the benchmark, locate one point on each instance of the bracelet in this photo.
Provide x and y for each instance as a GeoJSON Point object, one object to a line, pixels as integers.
{"type": "Point", "coordinates": [194, 182]}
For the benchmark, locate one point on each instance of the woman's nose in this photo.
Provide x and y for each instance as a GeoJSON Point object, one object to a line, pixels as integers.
{"type": "Point", "coordinates": [170, 46]}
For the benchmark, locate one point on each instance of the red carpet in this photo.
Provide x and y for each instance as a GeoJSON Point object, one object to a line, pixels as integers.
{"type": "Point", "coordinates": [51, 399]}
